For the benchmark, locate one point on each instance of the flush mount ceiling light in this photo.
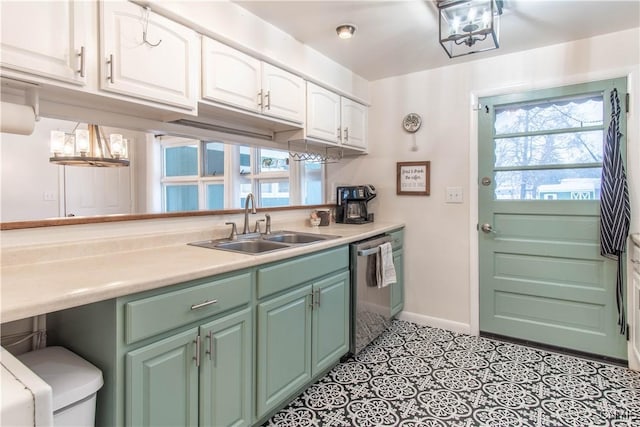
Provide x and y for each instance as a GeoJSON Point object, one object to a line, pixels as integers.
{"type": "Point", "coordinates": [469, 26]}
{"type": "Point", "coordinates": [88, 147]}
{"type": "Point", "coordinates": [345, 31]}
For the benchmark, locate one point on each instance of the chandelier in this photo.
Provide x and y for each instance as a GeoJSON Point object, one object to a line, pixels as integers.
{"type": "Point", "coordinates": [469, 26]}
{"type": "Point", "coordinates": [88, 147]}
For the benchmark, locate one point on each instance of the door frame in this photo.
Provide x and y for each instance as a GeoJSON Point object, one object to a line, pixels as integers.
{"type": "Point", "coordinates": [475, 95]}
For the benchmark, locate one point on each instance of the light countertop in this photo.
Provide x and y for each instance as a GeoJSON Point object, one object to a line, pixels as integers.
{"type": "Point", "coordinates": [36, 282]}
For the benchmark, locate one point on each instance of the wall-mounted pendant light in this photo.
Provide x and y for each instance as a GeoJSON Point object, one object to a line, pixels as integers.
{"type": "Point", "coordinates": [346, 31]}
{"type": "Point", "coordinates": [469, 26]}
{"type": "Point", "coordinates": [88, 147]}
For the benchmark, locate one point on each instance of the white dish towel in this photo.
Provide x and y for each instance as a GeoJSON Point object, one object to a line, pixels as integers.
{"type": "Point", "coordinates": [385, 271]}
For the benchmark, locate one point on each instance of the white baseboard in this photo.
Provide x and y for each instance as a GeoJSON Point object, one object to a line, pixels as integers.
{"type": "Point", "coordinates": [435, 322]}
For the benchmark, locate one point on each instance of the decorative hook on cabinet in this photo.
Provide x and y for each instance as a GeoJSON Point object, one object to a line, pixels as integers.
{"type": "Point", "coordinates": [147, 10]}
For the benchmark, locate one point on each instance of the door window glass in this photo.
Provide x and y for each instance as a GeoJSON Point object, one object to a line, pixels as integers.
{"type": "Point", "coordinates": [549, 149]}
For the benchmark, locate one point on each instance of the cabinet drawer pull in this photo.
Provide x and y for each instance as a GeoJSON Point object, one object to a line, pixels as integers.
{"type": "Point", "coordinates": [110, 62]}
{"type": "Point", "coordinates": [268, 97]}
{"type": "Point", "coordinates": [260, 99]}
{"type": "Point", "coordinates": [346, 134]}
{"type": "Point", "coordinates": [318, 299]}
{"type": "Point", "coordinates": [339, 133]}
{"type": "Point", "coordinates": [204, 304]}
{"type": "Point", "coordinates": [82, 63]}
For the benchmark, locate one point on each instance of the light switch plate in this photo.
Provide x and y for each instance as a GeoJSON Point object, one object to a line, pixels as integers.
{"type": "Point", "coordinates": [454, 195]}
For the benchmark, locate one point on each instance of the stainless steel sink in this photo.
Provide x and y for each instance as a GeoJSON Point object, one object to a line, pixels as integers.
{"type": "Point", "coordinates": [297, 238]}
{"type": "Point", "coordinates": [259, 244]}
{"type": "Point", "coordinates": [251, 246]}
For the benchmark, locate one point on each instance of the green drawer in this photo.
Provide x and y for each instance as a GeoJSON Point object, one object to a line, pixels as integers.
{"type": "Point", "coordinates": [278, 277]}
{"type": "Point", "coordinates": [398, 238]}
{"type": "Point", "coordinates": [160, 313]}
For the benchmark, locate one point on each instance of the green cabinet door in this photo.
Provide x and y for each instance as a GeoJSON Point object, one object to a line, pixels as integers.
{"type": "Point", "coordinates": [397, 289]}
{"type": "Point", "coordinates": [284, 347]}
{"type": "Point", "coordinates": [225, 371]}
{"type": "Point", "coordinates": [162, 383]}
{"type": "Point", "coordinates": [330, 321]}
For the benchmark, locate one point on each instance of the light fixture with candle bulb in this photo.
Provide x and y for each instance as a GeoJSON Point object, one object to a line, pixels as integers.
{"type": "Point", "coordinates": [88, 147]}
{"type": "Point", "coordinates": [346, 31]}
{"type": "Point", "coordinates": [469, 26]}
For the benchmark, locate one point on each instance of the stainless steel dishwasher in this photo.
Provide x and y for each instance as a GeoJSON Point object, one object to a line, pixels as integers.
{"type": "Point", "coordinates": [370, 305]}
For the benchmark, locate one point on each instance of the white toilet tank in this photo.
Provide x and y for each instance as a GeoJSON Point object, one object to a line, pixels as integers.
{"type": "Point", "coordinates": [74, 382]}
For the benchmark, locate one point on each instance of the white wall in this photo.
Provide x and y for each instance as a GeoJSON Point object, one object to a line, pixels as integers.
{"type": "Point", "coordinates": [32, 188]}
{"type": "Point", "coordinates": [441, 240]}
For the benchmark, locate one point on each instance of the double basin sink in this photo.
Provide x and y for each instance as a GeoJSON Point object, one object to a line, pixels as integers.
{"type": "Point", "coordinates": [257, 243]}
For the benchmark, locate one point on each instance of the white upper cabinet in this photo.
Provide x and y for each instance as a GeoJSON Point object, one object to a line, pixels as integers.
{"type": "Point", "coordinates": [46, 38]}
{"type": "Point", "coordinates": [323, 113]}
{"type": "Point", "coordinates": [354, 124]}
{"type": "Point", "coordinates": [163, 69]}
{"type": "Point", "coordinates": [283, 94]}
{"type": "Point", "coordinates": [334, 118]}
{"type": "Point", "coordinates": [234, 78]}
{"type": "Point", "coordinates": [230, 76]}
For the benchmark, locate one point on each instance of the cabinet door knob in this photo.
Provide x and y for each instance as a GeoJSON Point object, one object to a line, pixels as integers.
{"type": "Point", "coordinates": [197, 351]}
{"type": "Point", "coordinates": [209, 351]}
{"type": "Point", "coordinates": [110, 62]}
{"type": "Point", "coordinates": [82, 62]}
{"type": "Point", "coordinates": [268, 97]}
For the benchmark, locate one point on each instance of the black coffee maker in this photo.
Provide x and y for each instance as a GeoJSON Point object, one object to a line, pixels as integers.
{"type": "Point", "coordinates": [352, 204]}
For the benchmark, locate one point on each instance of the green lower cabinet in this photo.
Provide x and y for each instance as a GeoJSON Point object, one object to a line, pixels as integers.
{"type": "Point", "coordinates": [225, 371]}
{"type": "Point", "coordinates": [162, 383]}
{"type": "Point", "coordinates": [300, 334]}
{"type": "Point", "coordinates": [168, 385]}
{"type": "Point", "coordinates": [330, 315]}
{"type": "Point", "coordinates": [284, 347]}
{"type": "Point", "coordinates": [397, 289]}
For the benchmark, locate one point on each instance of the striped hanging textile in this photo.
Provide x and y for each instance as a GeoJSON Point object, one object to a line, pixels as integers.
{"type": "Point", "coordinates": [615, 212]}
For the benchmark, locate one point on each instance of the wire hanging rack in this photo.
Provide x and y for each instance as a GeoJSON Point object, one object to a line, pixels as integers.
{"type": "Point", "coordinates": [323, 155]}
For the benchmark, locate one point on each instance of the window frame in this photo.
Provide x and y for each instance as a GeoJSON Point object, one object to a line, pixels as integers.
{"type": "Point", "coordinates": [231, 179]}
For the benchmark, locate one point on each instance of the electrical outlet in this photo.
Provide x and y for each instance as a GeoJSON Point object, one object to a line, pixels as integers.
{"type": "Point", "coordinates": [454, 195]}
{"type": "Point", "coordinates": [49, 196]}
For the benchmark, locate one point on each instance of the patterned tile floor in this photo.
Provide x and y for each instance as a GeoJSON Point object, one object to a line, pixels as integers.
{"type": "Point", "coordinates": [416, 376]}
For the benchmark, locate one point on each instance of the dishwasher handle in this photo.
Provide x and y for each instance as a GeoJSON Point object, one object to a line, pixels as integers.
{"type": "Point", "coordinates": [373, 250]}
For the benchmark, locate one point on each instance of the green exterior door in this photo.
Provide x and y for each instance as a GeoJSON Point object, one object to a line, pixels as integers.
{"type": "Point", "coordinates": [330, 321]}
{"type": "Point", "coordinates": [397, 289]}
{"type": "Point", "coordinates": [542, 278]}
{"type": "Point", "coordinates": [162, 383]}
{"type": "Point", "coordinates": [225, 371]}
{"type": "Point", "coordinates": [284, 347]}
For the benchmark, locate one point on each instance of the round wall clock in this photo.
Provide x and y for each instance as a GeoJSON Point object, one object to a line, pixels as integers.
{"type": "Point", "coordinates": [411, 122]}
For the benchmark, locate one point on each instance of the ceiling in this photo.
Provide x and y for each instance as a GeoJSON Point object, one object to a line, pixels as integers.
{"type": "Point", "coordinates": [399, 37]}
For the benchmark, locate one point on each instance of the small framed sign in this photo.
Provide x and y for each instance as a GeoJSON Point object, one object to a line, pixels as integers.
{"type": "Point", "coordinates": [413, 178]}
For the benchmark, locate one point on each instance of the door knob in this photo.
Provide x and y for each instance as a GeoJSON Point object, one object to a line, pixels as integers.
{"type": "Point", "coordinates": [487, 228]}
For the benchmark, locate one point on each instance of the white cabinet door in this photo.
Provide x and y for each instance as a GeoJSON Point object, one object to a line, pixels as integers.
{"type": "Point", "coordinates": [45, 38]}
{"type": "Point", "coordinates": [166, 73]}
{"type": "Point", "coordinates": [283, 94]}
{"type": "Point", "coordinates": [354, 124]}
{"type": "Point", "coordinates": [323, 113]}
{"type": "Point", "coordinates": [230, 76]}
